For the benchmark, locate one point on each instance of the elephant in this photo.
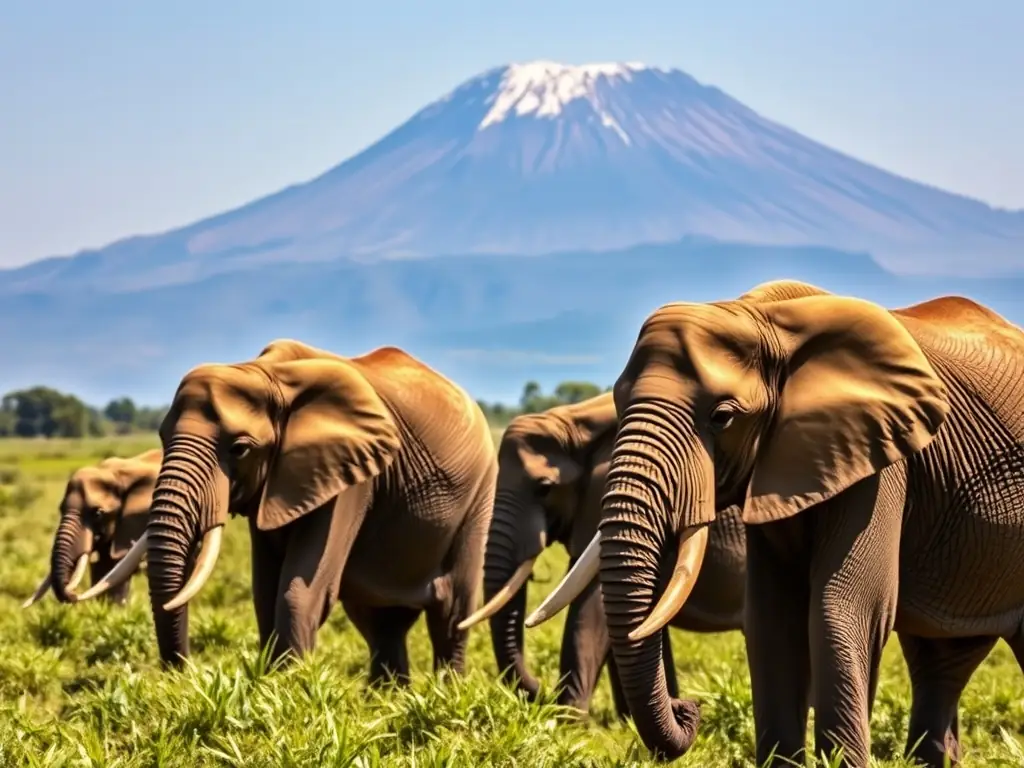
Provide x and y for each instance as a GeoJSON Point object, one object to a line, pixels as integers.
{"type": "Point", "coordinates": [104, 511]}
{"type": "Point", "coordinates": [551, 474]}
{"type": "Point", "coordinates": [368, 480]}
{"type": "Point", "coordinates": [877, 458]}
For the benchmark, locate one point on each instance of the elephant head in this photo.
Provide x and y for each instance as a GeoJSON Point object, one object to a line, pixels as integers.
{"type": "Point", "coordinates": [776, 402]}
{"type": "Point", "coordinates": [104, 511]}
{"type": "Point", "coordinates": [272, 439]}
{"type": "Point", "coordinates": [545, 465]}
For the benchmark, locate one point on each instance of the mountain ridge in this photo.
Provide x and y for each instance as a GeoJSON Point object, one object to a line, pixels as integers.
{"type": "Point", "coordinates": [528, 248]}
{"type": "Point", "coordinates": [490, 324]}
{"type": "Point", "coordinates": [589, 157]}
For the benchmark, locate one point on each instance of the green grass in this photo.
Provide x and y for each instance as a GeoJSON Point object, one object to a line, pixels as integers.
{"type": "Point", "coordinates": [80, 686]}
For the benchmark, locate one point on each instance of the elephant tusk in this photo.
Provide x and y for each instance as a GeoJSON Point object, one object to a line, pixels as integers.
{"type": "Point", "coordinates": [80, 567]}
{"type": "Point", "coordinates": [574, 582]}
{"type": "Point", "coordinates": [79, 573]}
{"type": "Point", "coordinates": [501, 597]}
{"type": "Point", "coordinates": [204, 567]}
{"type": "Point", "coordinates": [692, 544]}
{"type": "Point", "coordinates": [41, 590]}
{"type": "Point", "coordinates": [120, 572]}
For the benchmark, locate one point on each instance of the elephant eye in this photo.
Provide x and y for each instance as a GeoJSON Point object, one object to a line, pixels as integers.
{"type": "Point", "coordinates": [240, 449]}
{"type": "Point", "coordinates": [722, 416]}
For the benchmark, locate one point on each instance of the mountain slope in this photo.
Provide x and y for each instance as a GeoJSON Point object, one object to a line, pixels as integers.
{"type": "Point", "coordinates": [543, 157]}
{"type": "Point", "coordinates": [491, 323]}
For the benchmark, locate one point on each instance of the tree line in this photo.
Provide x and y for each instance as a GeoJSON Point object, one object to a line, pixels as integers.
{"type": "Point", "coordinates": [534, 400]}
{"type": "Point", "coordinates": [47, 412]}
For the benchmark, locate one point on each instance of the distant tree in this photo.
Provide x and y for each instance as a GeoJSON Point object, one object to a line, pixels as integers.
{"type": "Point", "coordinates": [576, 391]}
{"type": "Point", "coordinates": [42, 411]}
{"type": "Point", "coordinates": [122, 410]}
{"type": "Point", "coordinates": [148, 419]}
{"type": "Point", "coordinates": [530, 399]}
{"type": "Point", "coordinates": [533, 399]}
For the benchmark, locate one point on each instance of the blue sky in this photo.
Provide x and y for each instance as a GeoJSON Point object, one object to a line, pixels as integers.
{"type": "Point", "coordinates": [122, 118]}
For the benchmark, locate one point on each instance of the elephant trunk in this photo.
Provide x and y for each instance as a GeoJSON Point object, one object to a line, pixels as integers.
{"type": "Point", "coordinates": [190, 497]}
{"type": "Point", "coordinates": [660, 482]}
{"type": "Point", "coordinates": [72, 547]}
{"type": "Point", "coordinates": [505, 557]}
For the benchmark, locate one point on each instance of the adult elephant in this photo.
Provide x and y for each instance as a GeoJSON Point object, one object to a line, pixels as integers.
{"type": "Point", "coordinates": [366, 479]}
{"type": "Point", "coordinates": [104, 511]}
{"type": "Point", "coordinates": [551, 474]}
{"type": "Point", "coordinates": [877, 457]}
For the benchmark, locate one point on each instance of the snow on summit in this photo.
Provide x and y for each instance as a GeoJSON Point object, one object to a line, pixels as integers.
{"type": "Point", "coordinates": [543, 157]}
{"type": "Point", "coordinates": [544, 88]}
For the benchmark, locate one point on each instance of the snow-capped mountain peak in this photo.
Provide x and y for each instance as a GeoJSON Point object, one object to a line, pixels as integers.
{"type": "Point", "coordinates": [544, 88]}
{"type": "Point", "coordinates": [544, 157]}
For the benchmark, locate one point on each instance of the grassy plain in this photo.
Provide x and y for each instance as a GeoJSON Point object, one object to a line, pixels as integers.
{"type": "Point", "coordinates": [81, 686]}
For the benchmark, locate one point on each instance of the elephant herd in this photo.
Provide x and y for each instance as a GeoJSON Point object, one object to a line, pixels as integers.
{"type": "Point", "coordinates": [811, 469]}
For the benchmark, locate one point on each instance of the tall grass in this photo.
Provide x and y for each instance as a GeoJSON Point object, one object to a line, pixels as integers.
{"type": "Point", "coordinates": [81, 685]}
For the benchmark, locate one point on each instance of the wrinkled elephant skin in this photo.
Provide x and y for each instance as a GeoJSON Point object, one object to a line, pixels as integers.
{"type": "Point", "coordinates": [876, 456]}
{"type": "Point", "coordinates": [103, 513]}
{"type": "Point", "coordinates": [551, 475]}
{"type": "Point", "coordinates": [366, 480]}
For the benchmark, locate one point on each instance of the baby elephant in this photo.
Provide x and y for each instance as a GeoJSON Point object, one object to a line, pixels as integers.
{"type": "Point", "coordinates": [104, 511]}
{"type": "Point", "coordinates": [551, 478]}
{"type": "Point", "coordinates": [366, 479]}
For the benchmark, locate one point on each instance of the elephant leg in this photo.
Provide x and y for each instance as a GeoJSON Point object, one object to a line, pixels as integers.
{"type": "Point", "coordinates": [939, 671]}
{"type": "Point", "coordinates": [455, 593]}
{"type": "Point", "coordinates": [361, 618]}
{"type": "Point", "coordinates": [104, 562]}
{"type": "Point", "coordinates": [618, 695]}
{"type": "Point", "coordinates": [266, 556]}
{"type": "Point", "coordinates": [389, 657]}
{"type": "Point", "coordinates": [854, 583]}
{"type": "Point", "coordinates": [315, 552]}
{"type": "Point", "coordinates": [778, 652]}
{"type": "Point", "coordinates": [585, 646]}
{"type": "Point", "coordinates": [384, 630]}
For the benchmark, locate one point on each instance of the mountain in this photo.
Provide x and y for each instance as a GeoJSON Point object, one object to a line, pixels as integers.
{"type": "Point", "coordinates": [536, 158]}
{"type": "Point", "coordinates": [518, 228]}
{"type": "Point", "coordinates": [490, 323]}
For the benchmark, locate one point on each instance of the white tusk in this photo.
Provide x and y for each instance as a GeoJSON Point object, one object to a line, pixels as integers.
{"type": "Point", "coordinates": [80, 567]}
{"type": "Point", "coordinates": [204, 567]}
{"type": "Point", "coordinates": [574, 582]}
{"type": "Point", "coordinates": [78, 574]}
{"type": "Point", "coordinates": [41, 590]}
{"type": "Point", "coordinates": [692, 544]}
{"type": "Point", "coordinates": [502, 596]}
{"type": "Point", "coordinates": [120, 572]}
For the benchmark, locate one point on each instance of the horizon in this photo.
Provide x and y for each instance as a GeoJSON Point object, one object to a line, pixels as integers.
{"type": "Point", "coordinates": [82, 179]}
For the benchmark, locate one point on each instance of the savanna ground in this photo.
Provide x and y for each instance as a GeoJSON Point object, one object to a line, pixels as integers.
{"type": "Point", "coordinates": [81, 685]}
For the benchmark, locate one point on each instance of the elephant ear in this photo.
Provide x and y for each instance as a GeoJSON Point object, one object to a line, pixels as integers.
{"type": "Point", "coordinates": [139, 479]}
{"type": "Point", "coordinates": [100, 487]}
{"type": "Point", "coordinates": [550, 461]}
{"type": "Point", "coordinates": [857, 395]}
{"type": "Point", "coordinates": [568, 435]}
{"type": "Point", "coordinates": [337, 432]}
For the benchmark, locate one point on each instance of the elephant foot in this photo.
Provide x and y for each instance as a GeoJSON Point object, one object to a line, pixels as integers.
{"type": "Point", "coordinates": [529, 687]}
{"type": "Point", "coordinates": [579, 709]}
{"type": "Point", "coordinates": [952, 750]}
{"type": "Point", "coordinates": [687, 715]}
